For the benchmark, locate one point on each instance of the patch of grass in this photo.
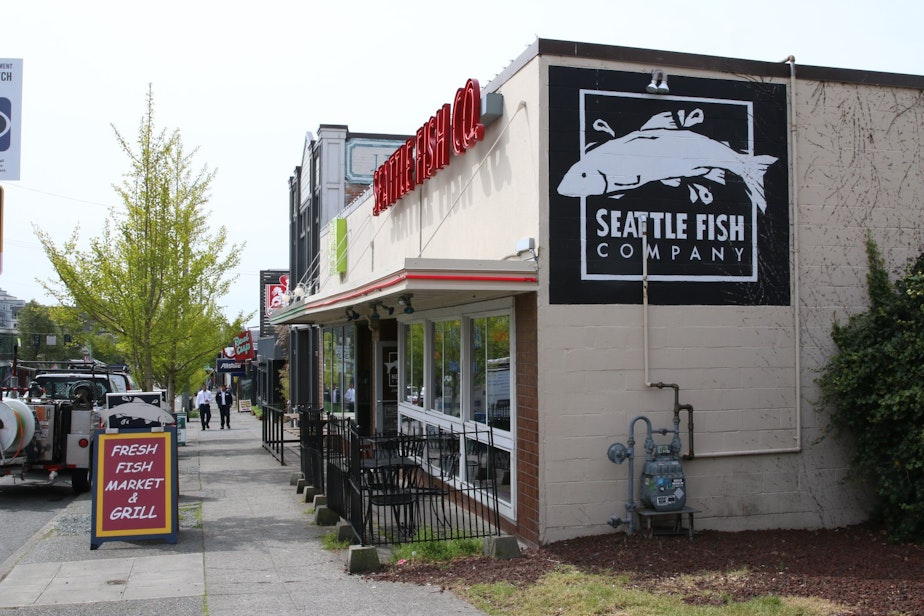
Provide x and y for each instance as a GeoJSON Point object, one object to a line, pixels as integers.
{"type": "Point", "coordinates": [191, 515]}
{"type": "Point", "coordinates": [569, 591]}
{"type": "Point", "coordinates": [330, 542]}
{"type": "Point", "coordinates": [435, 551]}
{"type": "Point", "coordinates": [703, 584]}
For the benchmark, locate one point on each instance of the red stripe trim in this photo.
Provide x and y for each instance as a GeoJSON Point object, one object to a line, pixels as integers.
{"type": "Point", "coordinates": [403, 277]}
{"type": "Point", "coordinates": [471, 278]}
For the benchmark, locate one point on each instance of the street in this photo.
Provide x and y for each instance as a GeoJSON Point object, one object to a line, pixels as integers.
{"type": "Point", "coordinates": [25, 509]}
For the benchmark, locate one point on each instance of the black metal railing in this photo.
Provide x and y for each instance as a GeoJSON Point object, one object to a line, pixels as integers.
{"type": "Point", "coordinates": [398, 488]}
{"type": "Point", "coordinates": [311, 423]}
{"type": "Point", "coordinates": [274, 422]}
{"type": "Point", "coordinates": [337, 465]}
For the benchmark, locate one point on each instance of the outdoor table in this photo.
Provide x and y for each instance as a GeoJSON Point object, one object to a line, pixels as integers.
{"type": "Point", "coordinates": [392, 482]}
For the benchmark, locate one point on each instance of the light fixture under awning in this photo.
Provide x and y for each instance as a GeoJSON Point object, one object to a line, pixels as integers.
{"type": "Point", "coordinates": [434, 283]}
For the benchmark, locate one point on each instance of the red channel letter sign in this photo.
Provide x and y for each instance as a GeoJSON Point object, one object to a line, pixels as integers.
{"type": "Point", "coordinates": [457, 127]}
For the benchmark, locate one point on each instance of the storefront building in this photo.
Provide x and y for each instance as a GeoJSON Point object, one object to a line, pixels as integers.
{"type": "Point", "coordinates": [546, 249]}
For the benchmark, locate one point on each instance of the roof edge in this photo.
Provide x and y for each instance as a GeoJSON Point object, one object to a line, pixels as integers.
{"type": "Point", "coordinates": [675, 59]}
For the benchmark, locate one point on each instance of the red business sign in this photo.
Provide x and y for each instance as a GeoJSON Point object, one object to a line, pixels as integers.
{"type": "Point", "coordinates": [457, 127]}
{"type": "Point", "coordinates": [275, 295]}
{"type": "Point", "coordinates": [135, 491]}
{"type": "Point", "coordinates": [243, 346]}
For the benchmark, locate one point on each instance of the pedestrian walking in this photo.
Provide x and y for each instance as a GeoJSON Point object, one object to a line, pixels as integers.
{"type": "Point", "coordinates": [224, 399]}
{"type": "Point", "coordinates": [204, 403]}
{"type": "Point", "coordinates": [349, 398]}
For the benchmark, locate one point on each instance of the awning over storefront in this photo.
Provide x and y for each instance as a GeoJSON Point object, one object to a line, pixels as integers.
{"type": "Point", "coordinates": [430, 283]}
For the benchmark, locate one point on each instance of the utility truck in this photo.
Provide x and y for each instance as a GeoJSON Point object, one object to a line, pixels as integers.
{"type": "Point", "coordinates": [47, 428]}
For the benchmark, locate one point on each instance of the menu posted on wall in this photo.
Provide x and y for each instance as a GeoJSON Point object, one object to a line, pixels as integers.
{"type": "Point", "coordinates": [135, 491]}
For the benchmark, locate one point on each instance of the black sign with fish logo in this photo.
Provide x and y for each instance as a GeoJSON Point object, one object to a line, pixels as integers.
{"type": "Point", "coordinates": [698, 177]}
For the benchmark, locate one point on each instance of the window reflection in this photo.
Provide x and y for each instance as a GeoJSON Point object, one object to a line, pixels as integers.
{"type": "Point", "coordinates": [447, 359]}
{"type": "Point", "coordinates": [485, 465]}
{"type": "Point", "coordinates": [491, 371]}
{"type": "Point", "coordinates": [414, 364]}
{"type": "Point", "coordinates": [338, 363]}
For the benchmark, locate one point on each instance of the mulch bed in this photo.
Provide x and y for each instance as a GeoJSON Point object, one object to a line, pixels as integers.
{"type": "Point", "coordinates": [856, 566]}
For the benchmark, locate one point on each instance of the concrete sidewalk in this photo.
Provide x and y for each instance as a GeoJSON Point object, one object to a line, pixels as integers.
{"type": "Point", "coordinates": [247, 545]}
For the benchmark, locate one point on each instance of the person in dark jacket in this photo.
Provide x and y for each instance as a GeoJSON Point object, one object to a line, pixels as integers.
{"type": "Point", "coordinates": [224, 400]}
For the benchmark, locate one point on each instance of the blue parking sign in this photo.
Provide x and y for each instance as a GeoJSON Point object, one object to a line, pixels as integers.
{"type": "Point", "coordinates": [6, 123]}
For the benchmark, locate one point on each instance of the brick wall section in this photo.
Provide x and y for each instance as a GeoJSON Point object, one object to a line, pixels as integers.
{"type": "Point", "coordinates": [352, 191]}
{"type": "Point", "coordinates": [527, 414]}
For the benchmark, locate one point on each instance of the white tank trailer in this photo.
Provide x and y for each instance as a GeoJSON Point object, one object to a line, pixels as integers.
{"type": "Point", "coordinates": [43, 442]}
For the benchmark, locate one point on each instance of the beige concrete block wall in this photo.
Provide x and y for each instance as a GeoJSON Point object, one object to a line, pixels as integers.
{"type": "Point", "coordinates": [859, 155]}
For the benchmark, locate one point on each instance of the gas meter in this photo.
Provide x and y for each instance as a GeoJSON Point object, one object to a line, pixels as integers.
{"type": "Point", "coordinates": [663, 487]}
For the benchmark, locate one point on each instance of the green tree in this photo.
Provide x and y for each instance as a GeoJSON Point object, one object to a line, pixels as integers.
{"type": "Point", "coordinates": [37, 328]}
{"type": "Point", "coordinates": [874, 383]}
{"type": "Point", "coordinates": [155, 275]}
{"type": "Point", "coordinates": [285, 379]}
{"type": "Point", "coordinates": [81, 335]}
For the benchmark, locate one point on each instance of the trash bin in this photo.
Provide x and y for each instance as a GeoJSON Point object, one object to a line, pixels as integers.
{"type": "Point", "coordinates": [181, 428]}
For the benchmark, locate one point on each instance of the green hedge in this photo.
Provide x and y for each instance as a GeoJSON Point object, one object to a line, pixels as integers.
{"type": "Point", "coordinates": [874, 386]}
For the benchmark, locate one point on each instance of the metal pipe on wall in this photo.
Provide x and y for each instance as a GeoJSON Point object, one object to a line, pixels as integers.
{"type": "Point", "coordinates": [795, 295]}
{"type": "Point", "coordinates": [795, 284]}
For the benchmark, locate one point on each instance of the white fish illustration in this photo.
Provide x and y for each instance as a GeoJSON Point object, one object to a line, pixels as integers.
{"type": "Point", "coordinates": [662, 151]}
{"type": "Point", "coordinates": [150, 413]}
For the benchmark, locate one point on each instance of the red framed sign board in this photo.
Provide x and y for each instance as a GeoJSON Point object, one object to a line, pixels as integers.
{"type": "Point", "coordinates": [135, 486]}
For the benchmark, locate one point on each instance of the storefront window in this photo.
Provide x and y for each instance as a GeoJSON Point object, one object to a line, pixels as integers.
{"type": "Point", "coordinates": [447, 360]}
{"type": "Point", "coordinates": [414, 364]}
{"type": "Point", "coordinates": [488, 467]}
{"type": "Point", "coordinates": [339, 365]}
{"type": "Point", "coordinates": [491, 371]}
{"type": "Point", "coordinates": [458, 369]}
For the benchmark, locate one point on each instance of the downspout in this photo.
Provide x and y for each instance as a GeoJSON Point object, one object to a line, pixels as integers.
{"type": "Point", "coordinates": [795, 293]}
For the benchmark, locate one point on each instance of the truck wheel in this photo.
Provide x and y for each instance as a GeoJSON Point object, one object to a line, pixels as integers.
{"type": "Point", "coordinates": [80, 480]}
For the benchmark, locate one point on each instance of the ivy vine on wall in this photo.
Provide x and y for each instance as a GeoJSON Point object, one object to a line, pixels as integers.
{"type": "Point", "coordinates": [874, 388]}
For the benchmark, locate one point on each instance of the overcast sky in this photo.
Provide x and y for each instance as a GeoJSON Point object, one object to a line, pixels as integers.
{"type": "Point", "coordinates": [244, 82]}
